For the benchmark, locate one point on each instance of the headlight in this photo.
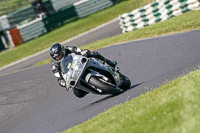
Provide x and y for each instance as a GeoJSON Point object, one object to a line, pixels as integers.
{"type": "Point", "coordinates": [77, 68]}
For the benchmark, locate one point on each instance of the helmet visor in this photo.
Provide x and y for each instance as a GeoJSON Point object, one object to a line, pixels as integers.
{"type": "Point", "coordinates": [59, 56]}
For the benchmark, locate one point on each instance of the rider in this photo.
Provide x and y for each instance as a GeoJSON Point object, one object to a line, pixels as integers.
{"type": "Point", "coordinates": [59, 52]}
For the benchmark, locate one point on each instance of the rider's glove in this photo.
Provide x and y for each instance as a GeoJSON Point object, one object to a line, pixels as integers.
{"type": "Point", "coordinates": [96, 53]}
{"type": "Point", "coordinates": [61, 82]}
{"type": "Point", "coordinates": [85, 52]}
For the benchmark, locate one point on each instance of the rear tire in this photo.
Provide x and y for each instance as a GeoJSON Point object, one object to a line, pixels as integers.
{"type": "Point", "coordinates": [105, 87]}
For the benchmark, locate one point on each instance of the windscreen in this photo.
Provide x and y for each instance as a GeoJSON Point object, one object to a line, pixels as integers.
{"type": "Point", "coordinates": [66, 63]}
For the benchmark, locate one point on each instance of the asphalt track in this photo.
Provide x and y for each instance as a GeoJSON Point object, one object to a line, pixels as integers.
{"type": "Point", "coordinates": [32, 102]}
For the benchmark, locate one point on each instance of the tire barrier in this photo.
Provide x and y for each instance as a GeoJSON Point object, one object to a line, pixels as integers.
{"type": "Point", "coordinates": [160, 10]}
{"type": "Point", "coordinates": [4, 23]}
{"type": "Point", "coordinates": [87, 7]}
{"type": "Point", "coordinates": [58, 4]}
{"type": "Point", "coordinates": [49, 7]}
{"type": "Point", "coordinates": [26, 13]}
{"type": "Point", "coordinates": [116, 1]}
{"type": "Point", "coordinates": [59, 18]}
{"type": "Point", "coordinates": [32, 29]}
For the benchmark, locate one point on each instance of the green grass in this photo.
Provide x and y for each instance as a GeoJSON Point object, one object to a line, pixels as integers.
{"type": "Point", "coordinates": [172, 108]}
{"type": "Point", "coordinates": [69, 30]}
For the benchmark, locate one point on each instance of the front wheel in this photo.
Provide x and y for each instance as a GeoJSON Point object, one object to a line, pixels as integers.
{"type": "Point", "coordinates": [104, 86]}
{"type": "Point", "coordinates": [126, 83]}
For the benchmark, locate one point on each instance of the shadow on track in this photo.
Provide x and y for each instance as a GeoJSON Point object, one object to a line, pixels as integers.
{"type": "Point", "coordinates": [109, 96]}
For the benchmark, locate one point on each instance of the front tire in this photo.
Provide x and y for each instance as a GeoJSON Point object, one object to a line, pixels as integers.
{"type": "Point", "coordinates": [105, 87]}
{"type": "Point", "coordinates": [126, 83]}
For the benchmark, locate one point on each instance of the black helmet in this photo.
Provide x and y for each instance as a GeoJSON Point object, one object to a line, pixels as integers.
{"type": "Point", "coordinates": [57, 52]}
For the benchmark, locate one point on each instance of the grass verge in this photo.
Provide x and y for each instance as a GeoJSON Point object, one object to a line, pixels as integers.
{"type": "Point", "coordinates": [172, 108]}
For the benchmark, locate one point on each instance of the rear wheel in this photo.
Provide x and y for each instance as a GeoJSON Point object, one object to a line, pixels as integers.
{"type": "Point", "coordinates": [105, 86]}
{"type": "Point", "coordinates": [126, 83]}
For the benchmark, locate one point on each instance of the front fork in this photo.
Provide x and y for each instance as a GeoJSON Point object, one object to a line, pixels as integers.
{"type": "Point", "coordinates": [97, 74]}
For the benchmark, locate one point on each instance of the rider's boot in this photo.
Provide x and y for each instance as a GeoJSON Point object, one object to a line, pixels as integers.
{"type": "Point", "coordinates": [99, 56]}
{"type": "Point", "coordinates": [111, 63]}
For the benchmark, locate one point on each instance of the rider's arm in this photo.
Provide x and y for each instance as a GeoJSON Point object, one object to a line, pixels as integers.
{"type": "Point", "coordinates": [78, 51]}
{"type": "Point", "coordinates": [57, 73]}
{"type": "Point", "coordinates": [56, 70]}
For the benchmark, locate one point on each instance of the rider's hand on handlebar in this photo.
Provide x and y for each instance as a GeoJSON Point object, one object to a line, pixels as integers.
{"type": "Point", "coordinates": [62, 82]}
{"type": "Point", "coordinates": [85, 52]}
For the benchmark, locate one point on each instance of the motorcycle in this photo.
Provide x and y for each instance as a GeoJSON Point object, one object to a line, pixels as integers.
{"type": "Point", "coordinates": [93, 75]}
